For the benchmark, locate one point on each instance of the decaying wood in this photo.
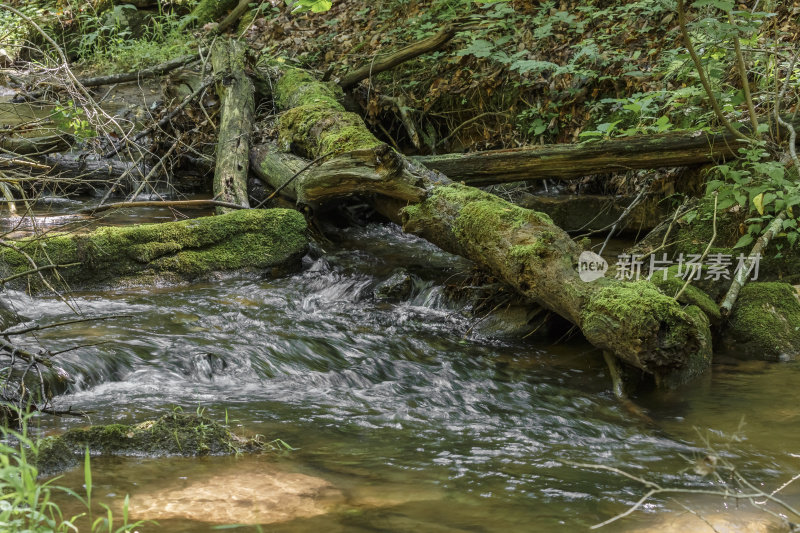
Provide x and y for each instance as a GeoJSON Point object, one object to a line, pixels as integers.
{"type": "Point", "coordinates": [236, 92]}
{"type": "Point", "coordinates": [378, 170]}
{"type": "Point", "coordinates": [177, 204]}
{"type": "Point", "coordinates": [143, 74]}
{"type": "Point", "coordinates": [409, 52]}
{"type": "Point", "coordinates": [567, 161]}
{"type": "Point", "coordinates": [233, 17]}
{"type": "Point", "coordinates": [634, 321]}
{"type": "Point", "coordinates": [35, 145]}
{"type": "Point", "coordinates": [740, 279]}
{"type": "Point", "coordinates": [65, 169]}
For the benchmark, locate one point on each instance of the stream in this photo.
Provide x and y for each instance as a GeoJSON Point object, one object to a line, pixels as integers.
{"type": "Point", "coordinates": [405, 416]}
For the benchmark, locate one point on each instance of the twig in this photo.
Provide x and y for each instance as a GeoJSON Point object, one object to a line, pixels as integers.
{"type": "Point", "coordinates": [741, 278]}
{"type": "Point", "coordinates": [34, 271]}
{"type": "Point", "coordinates": [702, 73]}
{"type": "Point", "coordinates": [37, 327]}
{"type": "Point", "coordinates": [751, 110]}
{"type": "Point", "coordinates": [708, 248]}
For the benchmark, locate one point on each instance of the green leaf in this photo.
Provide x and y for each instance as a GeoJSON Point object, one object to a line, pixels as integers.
{"type": "Point", "coordinates": [744, 241]}
{"type": "Point", "coordinates": [315, 6]}
{"type": "Point", "coordinates": [758, 201]}
{"type": "Point", "coordinates": [478, 48]}
{"type": "Point", "coordinates": [523, 66]}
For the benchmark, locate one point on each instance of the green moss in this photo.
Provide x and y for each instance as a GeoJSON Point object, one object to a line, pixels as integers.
{"type": "Point", "coordinates": [676, 353]}
{"type": "Point", "coordinates": [249, 240]}
{"type": "Point", "coordinates": [693, 236]}
{"type": "Point", "coordinates": [691, 296]}
{"type": "Point", "coordinates": [318, 129]}
{"type": "Point", "coordinates": [765, 322]}
{"type": "Point", "coordinates": [529, 252]}
{"type": "Point", "coordinates": [209, 11]}
{"type": "Point", "coordinates": [484, 214]}
{"type": "Point", "coordinates": [172, 434]}
{"type": "Point", "coordinates": [298, 88]}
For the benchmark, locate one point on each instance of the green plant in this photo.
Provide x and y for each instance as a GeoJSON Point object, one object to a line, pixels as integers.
{"type": "Point", "coordinates": [107, 40]}
{"type": "Point", "coordinates": [72, 118]}
{"type": "Point", "coordinates": [760, 181]}
{"type": "Point", "coordinates": [26, 502]}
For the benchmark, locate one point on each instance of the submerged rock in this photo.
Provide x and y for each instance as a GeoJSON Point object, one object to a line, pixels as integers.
{"type": "Point", "coordinates": [172, 434]}
{"type": "Point", "coordinates": [765, 322]}
{"type": "Point", "coordinates": [266, 496]}
{"type": "Point", "coordinates": [397, 288]}
{"type": "Point", "coordinates": [269, 241]}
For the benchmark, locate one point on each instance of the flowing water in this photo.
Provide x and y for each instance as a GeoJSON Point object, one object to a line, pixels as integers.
{"type": "Point", "coordinates": [404, 416]}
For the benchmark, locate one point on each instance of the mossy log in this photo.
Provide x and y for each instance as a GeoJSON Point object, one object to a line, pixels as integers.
{"type": "Point", "coordinates": [236, 92]}
{"type": "Point", "coordinates": [634, 321]}
{"type": "Point", "coordinates": [265, 241]}
{"type": "Point", "coordinates": [172, 434]}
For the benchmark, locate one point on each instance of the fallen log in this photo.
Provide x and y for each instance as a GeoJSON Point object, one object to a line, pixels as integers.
{"type": "Point", "coordinates": [404, 54]}
{"type": "Point", "coordinates": [176, 204]}
{"type": "Point", "coordinates": [72, 172]}
{"type": "Point", "coordinates": [265, 241]}
{"type": "Point", "coordinates": [634, 321]}
{"type": "Point", "coordinates": [36, 145]}
{"type": "Point", "coordinates": [143, 74]}
{"type": "Point", "coordinates": [236, 92]}
{"type": "Point", "coordinates": [567, 161]}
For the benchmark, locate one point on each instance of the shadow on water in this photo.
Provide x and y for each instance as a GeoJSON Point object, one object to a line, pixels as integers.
{"type": "Point", "coordinates": [405, 418]}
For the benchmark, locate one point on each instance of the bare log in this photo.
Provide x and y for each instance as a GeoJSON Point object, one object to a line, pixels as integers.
{"type": "Point", "coordinates": [568, 161]}
{"type": "Point", "coordinates": [637, 323]}
{"type": "Point", "coordinates": [404, 54]}
{"type": "Point", "coordinates": [177, 204]}
{"type": "Point", "coordinates": [143, 74]}
{"type": "Point", "coordinates": [36, 145]}
{"type": "Point", "coordinates": [74, 172]}
{"type": "Point", "coordinates": [236, 92]}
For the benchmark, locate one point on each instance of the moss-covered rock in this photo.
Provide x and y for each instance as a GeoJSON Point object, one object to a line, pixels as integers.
{"type": "Point", "coordinates": [172, 434]}
{"type": "Point", "coordinates": [765, 322]}
{"type": "Point", "coordinates": [271, 241]}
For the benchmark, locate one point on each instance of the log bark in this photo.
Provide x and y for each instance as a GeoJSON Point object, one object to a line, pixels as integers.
{"type": "Point", "coordinates": [634, 321]}
{"type": "Point", "coordinates": [236, 92]}
{"type": "Point", "coordinates": [36, 145]}
{"type": "Point", "coordinates": [151, 72]}
{"type": "Point", "coordinates": [74, 172]}
{"type": "Point", "coordinates": [404, 54]}
{"type": "Point", "coordinates": [567, 161]}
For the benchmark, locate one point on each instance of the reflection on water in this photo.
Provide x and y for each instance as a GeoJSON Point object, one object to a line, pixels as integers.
{"type": "Point", "coordinates": [405, 417]}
